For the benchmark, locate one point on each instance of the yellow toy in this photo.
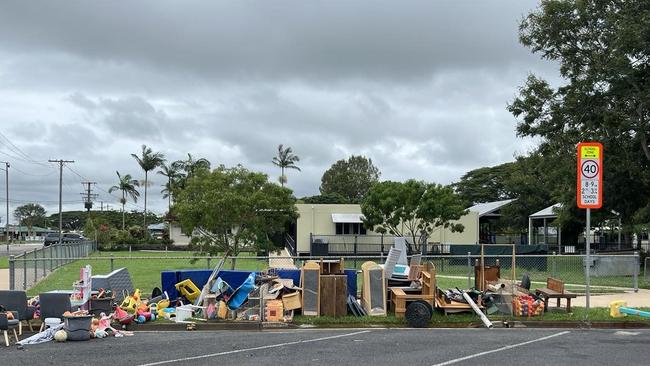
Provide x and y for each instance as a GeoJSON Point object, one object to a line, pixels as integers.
{"type": "Point", "coordinates": [188, 289]}
{"type": "Point", "coordinates": [163, 304]}
{"type": "Point", "coordinates": [131, 303]}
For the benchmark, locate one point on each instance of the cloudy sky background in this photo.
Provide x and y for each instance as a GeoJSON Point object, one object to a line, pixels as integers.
{"type": "Point", "coordinates": [418, 86]}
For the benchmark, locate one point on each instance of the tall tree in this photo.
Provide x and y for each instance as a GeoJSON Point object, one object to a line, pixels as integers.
{"type": "Point", "coordinates": [233, 209]}
{"type": "Point", "coordinates": [350, 178]}
{"type": "Point", "coordinates": [485, 184]}
{"type": "Point", "coordinates": [29, 215]}
{"type": "Point", "coordinates": [172, 172]}
{"type": "Point", "coordinates": [148, 161]}
{"type": "Point", "coordinates": [127, 185]}
{"type": "Point", "coordinates": [412, 209]}
{"type": "Point", "coordinates": [285, 160]}
{"type": "Point", "coordinates": [603, 50]}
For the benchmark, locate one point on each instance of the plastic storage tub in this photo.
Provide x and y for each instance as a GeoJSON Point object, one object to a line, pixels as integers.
{"type": "Point", "coordinates": [78, 327]}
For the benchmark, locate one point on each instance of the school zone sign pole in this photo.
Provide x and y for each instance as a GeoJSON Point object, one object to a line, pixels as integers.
{"type": "Point", "coordinates": [589, 194]}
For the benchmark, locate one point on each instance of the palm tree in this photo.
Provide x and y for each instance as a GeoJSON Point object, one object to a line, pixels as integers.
{"type": "Point", "coordinates": [285, 159]}
{"type": "Point", "coordinates": [148, 162]}
{"type": "Point", "coordinates": [127, 185]}
{"type": "Point", "coordinates": [172, 172]}
{"type": "Point", "coordinates": [191, 166]}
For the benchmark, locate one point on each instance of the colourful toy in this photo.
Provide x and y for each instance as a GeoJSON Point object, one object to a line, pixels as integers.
{"type": "Point", "coordinates": [122, 316]}
{"type": "Point", "coordinates": [619, 309]}
{"type": "Point", "coordinates": [188, 289]}
{"type": "Point", "coordinates": [153, 309]}
{"type": "Point", "coordinates": [162, 304]}
{"type": "Point", "coordinates": [131, 303]}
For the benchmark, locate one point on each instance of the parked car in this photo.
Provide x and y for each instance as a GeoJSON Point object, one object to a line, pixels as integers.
{"type": "Point", "coordinates": [53, 238]}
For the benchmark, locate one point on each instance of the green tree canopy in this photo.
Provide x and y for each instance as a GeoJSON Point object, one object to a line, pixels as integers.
{"type": "Point", "coordinates": [485, 184]}
{"type": "Point", "coordinates": [30, 215]}
{"type": "Point", "coordinates": [233, 209]}
{"type": "Point", "coordinates": [350, 178]}
{"type": "Point", "coordinates": [412, 209]}
{"type": "Point", "coordinates": [603, 50]}
{"type": "Point", "coordinates": [329, 198]}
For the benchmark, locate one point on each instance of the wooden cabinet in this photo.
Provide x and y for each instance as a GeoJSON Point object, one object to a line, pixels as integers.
{"type": "Point", "coordinates": [333, 296]}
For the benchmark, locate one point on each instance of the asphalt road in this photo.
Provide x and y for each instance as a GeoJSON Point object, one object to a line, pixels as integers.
{"type": "Point", "coordinates": [348, 346]}
{"type": "Point", "coordinates": [15, 249]}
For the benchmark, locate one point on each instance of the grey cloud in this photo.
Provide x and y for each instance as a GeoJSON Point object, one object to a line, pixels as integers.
{"type": "Point", "coordinates": [270, 40]}
{"type": "Point", "coordinates": [420, 87]}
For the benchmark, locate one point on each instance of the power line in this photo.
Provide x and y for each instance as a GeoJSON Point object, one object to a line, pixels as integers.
{"type": "Point", "coordinates": [17, 150]}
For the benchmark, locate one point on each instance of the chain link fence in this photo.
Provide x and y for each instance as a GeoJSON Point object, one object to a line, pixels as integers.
{"type": "Point", "coordinates": [609, 273]}
{"type": "Point", "coordinates": [27, 269]}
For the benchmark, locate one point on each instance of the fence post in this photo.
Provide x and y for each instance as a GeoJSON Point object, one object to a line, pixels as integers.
{"type": "Point", "coordinates": [209, 260]}
{"type": "Point", "coordinates": [355, 251]}
{"type": "Point", "coordinates": [35, 265]}
{"type": "Point", "coordinates": [51, 256]}
{"type": "Point", "coordinates": [637, 264]}
{"type": "Point", "coordinates": [382, 245]}
{"type": "Point", "coordinates": [12, 273]}
{"type": "Point", "coordinates": [469, 269]}
{"type": "Point", "coordinates": [112, 263]}
{"type": "Point", "coordinates": [553, 266]}
{"type": "Point", "coordinates": [24, 270]}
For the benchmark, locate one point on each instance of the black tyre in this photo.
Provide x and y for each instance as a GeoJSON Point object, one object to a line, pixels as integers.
{"type": "Point", "coordinates": [418, 314]}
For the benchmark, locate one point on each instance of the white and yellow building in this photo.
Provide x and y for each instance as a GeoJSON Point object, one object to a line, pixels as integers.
{"type": "Point", "coordinates": [340, 227]}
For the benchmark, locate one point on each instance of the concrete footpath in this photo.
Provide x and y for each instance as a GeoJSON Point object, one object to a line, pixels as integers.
{"type": "Point", "coordinates": [4, 279]}
{"type": "Point", "coordinates": [634, 299]}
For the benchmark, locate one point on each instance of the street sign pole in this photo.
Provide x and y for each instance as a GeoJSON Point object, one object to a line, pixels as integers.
{"type": "Point", "coordinates": [588, 262]}
{"type": "Point", "coordinates": [589, 194]}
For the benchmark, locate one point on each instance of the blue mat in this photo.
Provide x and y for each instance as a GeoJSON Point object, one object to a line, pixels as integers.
{"type": "Point", "coordinates": [169, 279]}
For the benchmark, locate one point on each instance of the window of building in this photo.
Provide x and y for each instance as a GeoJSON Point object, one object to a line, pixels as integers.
{"type": "Point", "coordinates": [350, 228]}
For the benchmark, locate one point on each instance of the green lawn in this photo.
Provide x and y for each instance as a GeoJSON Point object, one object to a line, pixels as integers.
{"type": "Point", "coordinates": [4, 262]}
{"type": "Point", "coordinates": [145, 273]}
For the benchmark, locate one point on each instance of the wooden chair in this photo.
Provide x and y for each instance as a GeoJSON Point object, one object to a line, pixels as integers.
{"type": "Point", "coordinates": [555, 290]}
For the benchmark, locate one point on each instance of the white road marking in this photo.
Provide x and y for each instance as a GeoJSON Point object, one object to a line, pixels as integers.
{"type": "Point", "coordinates": [501, 349]}
{"type": "Point", "coordinates": [255, 348]}
{"type": "Point", "coordinates": [625, 333]}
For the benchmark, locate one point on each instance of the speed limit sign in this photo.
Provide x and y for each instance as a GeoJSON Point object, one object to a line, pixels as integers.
{"type": "Point", "coordinates": [590, 175]}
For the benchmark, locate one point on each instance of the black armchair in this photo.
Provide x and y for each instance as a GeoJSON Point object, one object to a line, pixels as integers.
{"type": "Point", "coordinates": [16, 300]}
{"type": "Point", "coordinates": [53, 305]}
{"type": "Point", "coordinates": [7, 324]}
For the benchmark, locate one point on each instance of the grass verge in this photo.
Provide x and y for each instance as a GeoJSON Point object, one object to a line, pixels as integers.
{"type": "Point", "coordinates": [438, 318]}
{"type": "Point", "coordinates": [4, 262]}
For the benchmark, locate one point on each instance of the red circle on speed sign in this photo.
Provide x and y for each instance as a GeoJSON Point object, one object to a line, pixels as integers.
{"type": "Point", "coordinates": [589, 169]}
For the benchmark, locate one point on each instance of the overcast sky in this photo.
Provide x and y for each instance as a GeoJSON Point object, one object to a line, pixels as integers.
{"type": "Point", "coordinates": [420, 87]}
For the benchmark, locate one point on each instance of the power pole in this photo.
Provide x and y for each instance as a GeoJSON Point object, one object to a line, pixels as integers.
{"type": "Point", "coordinates": [89, 196]}
{"type": "Point", "coordinates": [7, 190]}
{"type": "Point", "coordinates": [61, 162]}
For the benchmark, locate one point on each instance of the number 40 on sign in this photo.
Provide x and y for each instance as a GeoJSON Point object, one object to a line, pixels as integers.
{"type": "Point", "coordinates": [590, 175]}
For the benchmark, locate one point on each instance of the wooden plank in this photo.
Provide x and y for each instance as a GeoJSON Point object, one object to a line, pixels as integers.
{"type": "Point", "coordinates": [555, 284]}
{"type": "Point", "coordinates": [341, 287]}
{"type": "Point", "coordinates": [328, 295]}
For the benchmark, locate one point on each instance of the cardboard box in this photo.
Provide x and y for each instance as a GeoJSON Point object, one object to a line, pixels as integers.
{"type": "Point", "coordinates": [291, 301]}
